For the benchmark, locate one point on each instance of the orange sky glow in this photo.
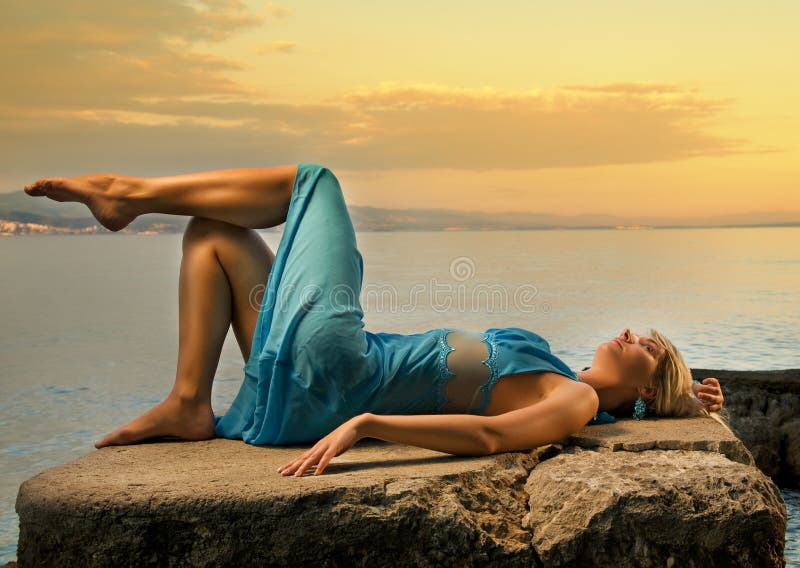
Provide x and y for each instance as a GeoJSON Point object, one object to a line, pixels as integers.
{"type": "Point", "coordinates": [675, 109]}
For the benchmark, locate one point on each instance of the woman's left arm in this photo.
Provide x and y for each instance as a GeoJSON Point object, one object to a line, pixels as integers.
{"type": "Point", "coordinates": [458, 434]}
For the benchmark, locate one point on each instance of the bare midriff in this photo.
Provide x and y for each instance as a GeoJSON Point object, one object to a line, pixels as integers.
{"type": "Point", "coordinates": [511, 392]}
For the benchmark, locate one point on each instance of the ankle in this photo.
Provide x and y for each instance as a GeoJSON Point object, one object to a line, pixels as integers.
{"type": "Point", "coordinates": [191, 398]}
{"type": "Point", "coordinates": [130, 189]}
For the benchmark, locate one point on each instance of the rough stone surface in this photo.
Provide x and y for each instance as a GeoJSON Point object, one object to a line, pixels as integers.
{"type": "Point", "coordinates": [663, 434]}
{"type": "Point", "coordinates": [681, 506]}
{"type": "Point", "coordinates": [635, 493]}
{"type": "Point", "coordinates": [764, 411]}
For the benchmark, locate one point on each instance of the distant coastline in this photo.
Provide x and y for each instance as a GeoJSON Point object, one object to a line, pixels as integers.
{"type": "Point", "coordinates": [21, 214]}
{"type": "Point", "coordinates": [10, 228]}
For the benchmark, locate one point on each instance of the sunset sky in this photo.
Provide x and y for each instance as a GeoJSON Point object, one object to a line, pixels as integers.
{"type": "Point", "coordinates": [629, 108]}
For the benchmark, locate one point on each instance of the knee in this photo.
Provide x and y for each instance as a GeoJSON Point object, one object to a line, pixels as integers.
{"type": "Point", "coordinates": [203, 229]}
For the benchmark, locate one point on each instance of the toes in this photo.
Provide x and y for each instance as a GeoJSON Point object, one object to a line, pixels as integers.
{"type": "Point", "coordinates": [105, 441]}
{"type": "Point", "coordinates": [117, 438]}
{"type": "Point", "coordinates": [33, 189]}
{"type": "Point", "coordinates": [42, 186]}
{"type": "Point", "coordinates": [51, 184]}
{"type": "Point", "coordinates": [39, 187]}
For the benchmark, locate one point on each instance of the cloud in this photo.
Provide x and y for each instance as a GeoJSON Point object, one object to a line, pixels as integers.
{"type": "Point", "coordinates": [630, 87]}
{"type": "Point", "coordinates": [390, 127]}
{"type": "Point", "coordinates": [277, 11]}
{"type": "Point", "coordinates": [279, 46]}
{"type": "Point", "coordinates": [428, 126]}
{"type": "Point", "coordinates": [82, 55]}
{"type": "Point", "coordinates": [95, 89]}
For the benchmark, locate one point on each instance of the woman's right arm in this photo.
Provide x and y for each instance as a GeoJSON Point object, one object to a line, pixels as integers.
{"type": "Point", "coordinates": [710, 394]}
{"type": "Point", "coordinates": [457, 434]}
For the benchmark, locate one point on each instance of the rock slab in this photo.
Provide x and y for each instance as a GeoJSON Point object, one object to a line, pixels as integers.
{"type": "Point", "coordinates": [660, 492]}
{"type": "Point", "coordinates": [764, 411]}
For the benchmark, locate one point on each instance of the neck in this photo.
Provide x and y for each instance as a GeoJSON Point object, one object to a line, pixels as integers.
{"type": "Point", "coordinates": [614, 397]}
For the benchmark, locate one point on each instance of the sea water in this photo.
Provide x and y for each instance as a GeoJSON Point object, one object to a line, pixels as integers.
{"type": "Point", "coordinates": [89, 323]}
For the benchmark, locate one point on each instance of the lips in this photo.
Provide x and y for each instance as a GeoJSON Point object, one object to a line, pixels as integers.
{"type": "Point", "coordinates": [617, 341]}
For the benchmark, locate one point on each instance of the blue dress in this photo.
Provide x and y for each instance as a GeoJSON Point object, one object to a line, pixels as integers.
{"type": "Point", "coordinates": [313, 366]}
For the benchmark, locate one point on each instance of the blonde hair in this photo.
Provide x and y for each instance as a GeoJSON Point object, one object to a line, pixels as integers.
{"type": "Point", "coordinates": [675, 396]}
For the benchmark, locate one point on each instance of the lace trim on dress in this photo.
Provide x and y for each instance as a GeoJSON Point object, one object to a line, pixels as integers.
{"type": "Point", "coordinates": [490, 361]}
{"type": "Point", "coordinates": [444, 372]}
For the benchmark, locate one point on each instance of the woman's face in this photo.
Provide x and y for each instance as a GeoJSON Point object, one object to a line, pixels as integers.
{"type": "Point", "coordinates": [633, 358]}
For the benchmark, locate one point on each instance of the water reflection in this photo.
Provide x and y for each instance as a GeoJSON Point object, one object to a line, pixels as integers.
{"type": "Point", "coordinates": [87, 351]}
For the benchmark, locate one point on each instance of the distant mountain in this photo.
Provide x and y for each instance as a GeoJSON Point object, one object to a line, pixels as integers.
{"type": "Point", "coordinates": [374, 218]}
{"type": "Point", "coordinates": [22, 208]}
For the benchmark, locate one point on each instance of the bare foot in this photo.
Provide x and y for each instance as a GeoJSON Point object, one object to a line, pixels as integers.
{"type": "Point", "coordinates": [99, 192]}
{"type": "Point", "coordinates": [173, 417]}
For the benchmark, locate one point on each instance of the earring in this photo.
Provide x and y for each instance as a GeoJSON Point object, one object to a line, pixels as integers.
{"type": "Point", "coordinates": [638, 409]}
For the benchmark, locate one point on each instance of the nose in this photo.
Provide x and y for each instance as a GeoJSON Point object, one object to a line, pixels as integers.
{"type": "Point", "coordinates": [628, 335]}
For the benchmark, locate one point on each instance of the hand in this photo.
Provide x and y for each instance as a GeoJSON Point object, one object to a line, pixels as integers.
{"type": "Point", "coordinates": [334, 444]}
{"type": "Point", "coordinates": [709, 393]}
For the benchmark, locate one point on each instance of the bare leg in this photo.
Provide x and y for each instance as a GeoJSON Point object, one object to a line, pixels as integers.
{"type": "Point", "coordinates": [223, 273]}
{"type": "Point", "coordinates": [254, 198]}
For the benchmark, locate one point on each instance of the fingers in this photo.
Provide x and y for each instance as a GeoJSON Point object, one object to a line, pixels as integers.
{"type": "Point", "coordinates": [710, 386]}
{"type": "Point", "coordinates": [293, 468]}
{"type": "Point", "coordinates": [301, 464]}
{"type": "Point", "coordinates": [289, 467]}
{"type": "Point", "coordinates": [296, 466]}
{"type": "Point", "coordinates": [324, 462]}
{"type": "Point", "coordinates": [709, 398]}
{"type": "Point", "coordinates": [707, 392]}
{"type": "Point", "coordinates": [301, 469]}
{"type": "Point", "coordinates": [713, 403]}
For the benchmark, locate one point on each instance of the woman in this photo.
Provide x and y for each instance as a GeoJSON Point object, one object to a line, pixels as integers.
{"type": "Point", "coordinates": [313, 373]}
